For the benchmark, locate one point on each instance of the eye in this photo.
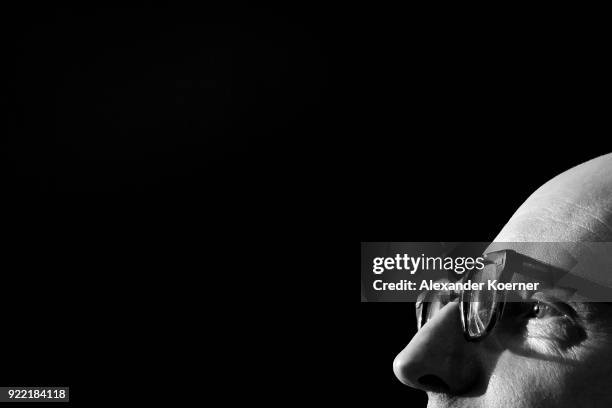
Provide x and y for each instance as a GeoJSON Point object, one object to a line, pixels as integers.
{"type": "Point", "coordinates": [541, 310]}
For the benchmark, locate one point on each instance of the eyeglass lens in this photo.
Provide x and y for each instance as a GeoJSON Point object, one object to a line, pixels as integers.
{"type": "Point", "coordinates": [480, 304]}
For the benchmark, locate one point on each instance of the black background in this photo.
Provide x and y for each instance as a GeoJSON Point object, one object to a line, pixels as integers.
{"type": "Point", "coordinates": [142, 139]}
{"type": "Point", "coordinates": [148, 150]}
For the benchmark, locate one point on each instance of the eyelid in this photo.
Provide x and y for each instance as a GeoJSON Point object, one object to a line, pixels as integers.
{"type": "Point", "coordinates": [555, 303]}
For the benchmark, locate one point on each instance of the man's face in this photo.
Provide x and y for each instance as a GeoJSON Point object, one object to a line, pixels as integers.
{"type": "Point", "coordinates": [535, 357]}
{"type": "Point", "coordinates": [538, 357]}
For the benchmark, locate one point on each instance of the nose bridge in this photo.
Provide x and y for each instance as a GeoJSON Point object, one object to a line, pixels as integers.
{"type": "Point", "coordinates": [438, 354]}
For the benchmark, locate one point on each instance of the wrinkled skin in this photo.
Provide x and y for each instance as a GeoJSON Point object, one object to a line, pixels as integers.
{"type": "Point", "coordinates": [546, 360]}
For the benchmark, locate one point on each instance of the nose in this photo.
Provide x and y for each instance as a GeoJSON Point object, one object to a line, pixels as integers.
{"type": "Point", "coordinates": [438, 358]}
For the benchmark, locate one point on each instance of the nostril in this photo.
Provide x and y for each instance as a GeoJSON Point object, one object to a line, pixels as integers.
{"type": "Point", "coordinates": [434, 383]}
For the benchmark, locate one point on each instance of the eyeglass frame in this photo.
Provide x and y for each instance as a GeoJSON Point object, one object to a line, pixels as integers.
{"type": "Point", "coordinates": [507, 261]}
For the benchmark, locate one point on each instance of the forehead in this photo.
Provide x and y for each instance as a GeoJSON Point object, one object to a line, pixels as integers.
{"type": "Point", "coordinates": [585, 267]}
{"type": "Point", "coordinates": [555, 220]}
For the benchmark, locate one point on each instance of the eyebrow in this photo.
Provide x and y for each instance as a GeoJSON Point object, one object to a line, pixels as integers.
{"type": "Point", "coordinates": [561, 293]}
{"type": "Point", "coordinates": [586, 312]}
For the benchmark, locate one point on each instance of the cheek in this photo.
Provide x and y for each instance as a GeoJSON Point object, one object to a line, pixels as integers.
{"type": "Point", "coordinates": [518, 381]}
{"type": "Point", "coordinates": [591, 378]}
{"type": "Point", "coordinates": [521, 381]}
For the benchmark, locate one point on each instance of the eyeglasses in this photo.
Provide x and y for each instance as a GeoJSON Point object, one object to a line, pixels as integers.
{"type": "Point", "coordinates": [482, 309]}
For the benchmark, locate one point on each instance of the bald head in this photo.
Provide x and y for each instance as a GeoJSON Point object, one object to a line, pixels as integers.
{"type": "Point", "coordinates": [574, 209]}
{"type": "Point", "coordinates": [575, 206]}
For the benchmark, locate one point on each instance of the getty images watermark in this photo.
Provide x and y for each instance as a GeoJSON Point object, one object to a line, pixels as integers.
{"type": "Point", "coordinates": [456, 265]}
{"type": "Point", "coordinates": [401, 271]}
